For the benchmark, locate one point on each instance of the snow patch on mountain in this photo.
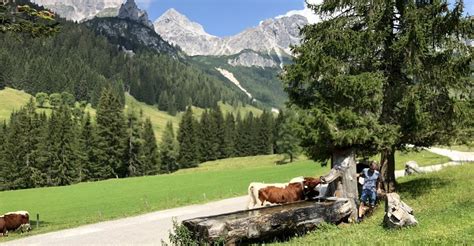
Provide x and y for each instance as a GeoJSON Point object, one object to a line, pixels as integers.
{"type": "Point", "coordinates": [230, 76]}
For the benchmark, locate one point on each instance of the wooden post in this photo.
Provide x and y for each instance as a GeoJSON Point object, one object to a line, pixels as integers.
{"type": "Point", "coordinates": [37, 221]}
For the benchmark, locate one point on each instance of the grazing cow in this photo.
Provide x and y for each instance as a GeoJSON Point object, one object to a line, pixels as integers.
{"type": "Point", "coordinates": [15, 221]}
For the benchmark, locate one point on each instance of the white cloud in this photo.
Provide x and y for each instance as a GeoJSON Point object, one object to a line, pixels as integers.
{"type": "Point", "coordinates": [144, 4]}
{"type": "Point", "coordinates": [306, 12]}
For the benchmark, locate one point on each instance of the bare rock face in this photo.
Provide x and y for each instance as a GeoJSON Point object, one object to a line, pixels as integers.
{"type": "Point", "coordinates": [397, 213]}
{"type": "Point", "coordinates": [190, 36]}
{"type": "Point", "coordinates": [272, 36]}
{"type": "Point", "coordinates": [252, 59]}
{"type": "Point", "coordinates": [130, 10]}
{"type": "Point", "coordinates": [79, 10]}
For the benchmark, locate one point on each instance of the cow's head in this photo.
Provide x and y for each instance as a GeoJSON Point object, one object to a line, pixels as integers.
{"type": "Point", "coordinates": [309, 185]}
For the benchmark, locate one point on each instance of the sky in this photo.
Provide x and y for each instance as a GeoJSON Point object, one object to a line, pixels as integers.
{"type": "Point", "coordinates": [229, 17]}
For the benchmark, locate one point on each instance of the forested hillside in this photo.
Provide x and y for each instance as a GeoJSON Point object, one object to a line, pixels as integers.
{"type": "Point", "coordinates": [78, 61]}
{"type": "Point", "coordinates": [263, 83]}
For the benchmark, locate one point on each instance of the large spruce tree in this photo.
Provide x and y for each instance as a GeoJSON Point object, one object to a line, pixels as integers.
{"type": "Point", "coordinates": [169, 150]}
{"type": "Point", "coordinates": [375, 76]}
{"type": "Point", "coordinates": [134, 145]}
{"type": "Point", "coordinates": [150, 154]}
{"type": "Point", "coordinates": [63, 148]}
{"type": "Point", "coordinates": [112, 135]}
{"type": "Point", "coordinates": [188, 140]}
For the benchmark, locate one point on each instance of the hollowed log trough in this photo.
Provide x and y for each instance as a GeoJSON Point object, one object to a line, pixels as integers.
{"type": "Point", "coordinates": [268, 223]}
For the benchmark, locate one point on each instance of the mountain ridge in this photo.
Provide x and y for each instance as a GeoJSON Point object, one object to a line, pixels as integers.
{"type": "Point", "coordinates": [270, 36]}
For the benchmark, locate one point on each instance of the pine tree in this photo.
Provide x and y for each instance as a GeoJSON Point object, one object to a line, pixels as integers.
{"type": "Point", "coordinates": [382, 76]}
{"type": "Point", "coordinates": [218, 122]}
{"type": "Point", "coordinates": [264, 140]}
{"type": "Point", "coordinates": [150, 153]}
{"type": "Point", "coordinates": [55, 100]}
{"type": "Point", "coordinates": [134, 145]}
{"type": "Point", "coordinates": [208, 138]}
{"type": "Point", "coordinates": [20, 147]}
{"type": "Point", "coordinates": [239, 141]}
{"type": "Point", "coordinates": [230, 135]}
{"type": "Point", "coordinates": [112, 134]}
{"type": "Point", "coordinates": [64, 147]}
{"type": "Point", "coordinates": [188, 140]}
{"type": "Point", "coordinates": [288, 142]}
{"type": "Point", "coordinates": [41, 99]}
{"type": "Point", "coordinates": [276, 130]}
{"type": "Point", "coordinates": [169, 150]}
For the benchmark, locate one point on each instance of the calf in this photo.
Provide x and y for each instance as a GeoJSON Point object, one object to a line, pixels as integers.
{"type": "Point", "coordinates": [15, 221]}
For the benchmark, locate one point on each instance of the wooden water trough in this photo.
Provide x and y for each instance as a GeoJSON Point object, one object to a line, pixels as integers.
{"type": "Point", "coordinates": [257, 225]}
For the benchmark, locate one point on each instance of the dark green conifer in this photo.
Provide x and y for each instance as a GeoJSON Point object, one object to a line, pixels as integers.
{"type": "Point", "coordinates": [169, 150]}
{"type": "Point", "coordinates": [150, 153]}
{"type": "Point", "coordinates": [188, 140]}
{"type": "Point", "coordinates": [112, 134]}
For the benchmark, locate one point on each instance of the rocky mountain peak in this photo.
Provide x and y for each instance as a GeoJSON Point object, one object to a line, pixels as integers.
{"type": "Point", "coordinates": [172, 19]}
{"type": "Point", "coordinates": [130, 10]}
{"type": "Point", "coordinates": [79, 10]}
{"type": "Point", "coordinates": [272, 36]}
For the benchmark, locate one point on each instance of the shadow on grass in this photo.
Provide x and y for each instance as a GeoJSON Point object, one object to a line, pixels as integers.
{"type": "Point", "coordinates": [419, 186]}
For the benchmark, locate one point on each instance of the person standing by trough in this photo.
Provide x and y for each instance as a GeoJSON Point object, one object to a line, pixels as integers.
{"type": "Point", "coordinates": [368, 197]}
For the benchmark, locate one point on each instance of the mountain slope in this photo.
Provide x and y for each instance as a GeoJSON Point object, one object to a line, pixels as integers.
{"type": "Point", "coordinates": [12, 100]}
{"type": "Point", "coordinates": [261, 82]}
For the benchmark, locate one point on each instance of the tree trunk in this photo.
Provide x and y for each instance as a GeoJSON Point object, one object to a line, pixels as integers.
{"type": "Point", "coordinates": [342, 179]}
{"type": "Point", "coordinates": [269, 223]}
{"type": "Point", "coordinates": [387, 170]}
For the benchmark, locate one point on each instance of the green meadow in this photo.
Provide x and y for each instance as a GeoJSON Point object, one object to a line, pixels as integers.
{"type": "Point", "coordinates": [442, 202]}
{"type": "Point", "coordinates": [85, 203]}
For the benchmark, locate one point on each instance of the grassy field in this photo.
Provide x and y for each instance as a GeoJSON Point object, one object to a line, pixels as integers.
{"type": "Point", "coordinates": [64, 207]}
{"type": "Point", "coordinates": [71, 206]}
{"type": "Point", "coordinates": [423, 158]}
{"type": "Point", "coordinates": [443, 204]}
{"type": "Point", "coordinates": [11, 100]}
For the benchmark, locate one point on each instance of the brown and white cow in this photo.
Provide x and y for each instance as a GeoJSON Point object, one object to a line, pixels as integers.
{"type": "Point", "coordinates": [297, 189]}
{"type": "Point", "coordinates": [14, 221]}
{"type": "Point", "coordinates": [292, 193]}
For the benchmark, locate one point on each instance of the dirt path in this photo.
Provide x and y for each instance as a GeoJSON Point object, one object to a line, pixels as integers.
{"type": "Point", "coordinates": [148, 229]}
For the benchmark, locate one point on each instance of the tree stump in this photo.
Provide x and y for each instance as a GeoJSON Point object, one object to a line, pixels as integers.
{"type": "Point", "coordinates": [268, 223]}
{"type": "Point", "coordinates": [342, 179]}
{"type": "Point", "coordinates": [397, 213]}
